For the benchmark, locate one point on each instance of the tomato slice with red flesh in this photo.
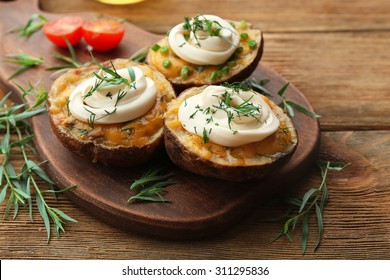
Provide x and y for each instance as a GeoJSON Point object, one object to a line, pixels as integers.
{"type": "Point", "coordinates": [65, 26]}
{"type": "Point", "coordinates": [103, 34]}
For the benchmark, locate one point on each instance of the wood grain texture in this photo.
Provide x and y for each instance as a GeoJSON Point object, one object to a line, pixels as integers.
{"type": "Point", "coordinates": [356, 219]}
{"type": "Point", "coordinates": [349, 41]}
{"type": "Point", "coordinates": [270, 15]}
{"type": "Point", "coordinates": [343, 74]}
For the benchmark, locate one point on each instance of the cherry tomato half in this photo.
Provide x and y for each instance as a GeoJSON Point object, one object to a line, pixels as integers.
{"type": "Point", "coordinates": [65, 26]}
{"type": "Point", "coordinates": [103, 34]}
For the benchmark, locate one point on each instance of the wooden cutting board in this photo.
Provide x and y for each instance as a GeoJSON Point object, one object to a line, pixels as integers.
{"type": "Point", "coordinates": [198, 206]}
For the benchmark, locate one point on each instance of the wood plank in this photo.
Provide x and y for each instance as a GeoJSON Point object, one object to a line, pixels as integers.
{"type": "Point", "coordinates": [357, 219]}
{"type": "Point", "coordinates": [269, 15]}
{"type": "Point", "coordinates": [344, 75]}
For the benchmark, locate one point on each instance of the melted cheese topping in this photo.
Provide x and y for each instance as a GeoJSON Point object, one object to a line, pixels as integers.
{"type": "Point", "coordinates": [113, 103]}
{"type": "Point", "coordinates": [228, 117]}
{"type": "Point", "coordinates": [199, 47]}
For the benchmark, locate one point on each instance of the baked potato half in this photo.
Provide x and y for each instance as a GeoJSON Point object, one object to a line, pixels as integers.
{"type": "Point", "coordinates": [251, 161]}
{"type": "Point", "coordinates": [182, 73]}
{"type": "Point", "coordinates": [125, 143]}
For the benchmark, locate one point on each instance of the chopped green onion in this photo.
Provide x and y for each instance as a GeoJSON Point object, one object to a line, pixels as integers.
{"type": "Point", "coordinates": [244, 36]}
{"type": "Point", "coordinates": [166, 63]}
{"type": "Point", "coordinates": [252, 44]}
{"type": "Point", "coordinates": [164, 49]}
{"type": "Point", "coordinates": [225, 69]}
{"type": "Point", "coordinates": [213, 75]}
{"type": "Point", "coordinates": [243, 24]}
{"type": "Point", "coordinates": [155, 47]}
{"type": "Point", "coordinates": [184, 72]}
{"type": "Point", "coordinates": [219, 74]}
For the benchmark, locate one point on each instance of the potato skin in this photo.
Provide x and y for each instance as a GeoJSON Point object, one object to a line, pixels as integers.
{"type": "Point", "coordinates": [124, 153]}
{"type": "Point", "coordinates": [193, 162]}
{"type": "Point", "coordinates": [247, 64]}
{"type": "Point", "coordinates": [119, 156]}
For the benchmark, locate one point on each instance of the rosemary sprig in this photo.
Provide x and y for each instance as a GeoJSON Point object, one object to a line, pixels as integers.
{"type": "Point", "coordinates": [34, 23]}
{"type": "Point", "coordinates": [313, 201]}
{"type": "Point", "coordinates": [152, 183]}
{"type": "Point", "coordinates": [22, 187]}
{"type": "Point", "coordinates": [27, 61]}
{"type": "Point", "coordinates": [70, 62]}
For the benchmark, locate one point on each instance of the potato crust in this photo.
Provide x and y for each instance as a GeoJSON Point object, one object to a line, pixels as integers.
{"type": "Point", "coordinates": [124, 144]}
{"type": "Point", "coordinates": [238, 67]}
{"type": "Point", "coordinates": [247, 162]}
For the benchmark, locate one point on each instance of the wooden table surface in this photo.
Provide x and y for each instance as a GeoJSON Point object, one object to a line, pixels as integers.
{"type": "Point", "coordinates": [337, 53]}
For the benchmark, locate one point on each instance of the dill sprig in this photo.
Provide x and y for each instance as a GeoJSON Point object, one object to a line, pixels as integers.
{"type": "Point", "coordinates": [313, 201]}
{"type": "Point", "coordinates": [34, 23]}
{"type": "Point", "coordinates": [27, 62]}
{"type": "Point", "coordinates": [23, 187]}
{"type": "Point", "coordinates": [70, 62]}
{"type": "Point", "coordinates": [152, 184]}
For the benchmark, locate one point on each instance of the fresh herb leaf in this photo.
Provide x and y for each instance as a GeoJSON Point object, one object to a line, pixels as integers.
{"type": "Point", "coordinates": [205, 136]}
{"type": "Point", "coordinates": [110, 77]}
{"type": "Point", "coordinates": [27, 61]}
{"type": "Point", "coordinates": [34, 23]}
{"type": "Point", "coordinates": [37, 91]}
{"type": "Point", "coordinates": [258, 85]}
{"type": "Point", "coordinates": [20, 186]}
{"type": "Point", "coordinates": [232, 110]}
{"type": "Point", "coordinates": [201, 23]}
{"type": "Point", "coordinates": [152, 184]}
{"type": "Point", "coordinates": [70, 62]}
{"type": "Point", "coordinates": [140, 55]}
{"type": "Point", "coordinates": [288, 105]}
{"type": "Point", "coordinates": [313, 200]}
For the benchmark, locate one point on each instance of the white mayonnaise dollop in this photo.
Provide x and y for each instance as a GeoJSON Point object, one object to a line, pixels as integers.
{"type": "Point", "coordinates": [113, 103]}
{"type": "Point", "coordinates": [201, 48]}
{"type": "Point", "coordinates": [228, 117]}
